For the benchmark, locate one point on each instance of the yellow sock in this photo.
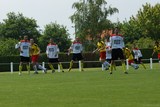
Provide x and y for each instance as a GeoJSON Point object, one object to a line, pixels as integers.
{"type": "Point", "coordinates": [51, 66]}
{"type": "Point", "coordinates": [20, 68]}
{"type": "Point", "coordinates": [143, 66]}
{"type": "Point", "coordinates": [82, 66]}
{"type": "Point", "coordinates": [114, 66]}
{"type": "Point", "coordinates": [111, 68]}
{"type": "Point", "coordinates": [28, 68]}
{"type": "Point", "coordinates": [124, 66]}
{"type": "Point", "coordinates": [71, 64]}
{"type": "Point", "coordinates": [61, 67]}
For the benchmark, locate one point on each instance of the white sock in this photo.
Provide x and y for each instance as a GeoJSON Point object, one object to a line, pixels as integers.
{"type": "Point", "coordinates": [106, 63]}
{"type": "Point", "coordinates": [134, 65]}
{"type": "Point", "coordinates": [35, 68]}
{"type": "Point", "coordinates": [40, 67]}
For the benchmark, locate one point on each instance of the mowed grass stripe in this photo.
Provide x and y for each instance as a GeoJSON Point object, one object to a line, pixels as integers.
{"type": "Point", "coordinates": [91, 88]}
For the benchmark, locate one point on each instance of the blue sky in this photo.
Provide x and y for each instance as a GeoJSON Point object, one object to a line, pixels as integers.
{"type": "Point", "coordinates": [46, 11]}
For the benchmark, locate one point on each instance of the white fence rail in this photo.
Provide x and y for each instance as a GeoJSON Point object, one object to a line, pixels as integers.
{"type": "Point", "coordinates": [43, 64]}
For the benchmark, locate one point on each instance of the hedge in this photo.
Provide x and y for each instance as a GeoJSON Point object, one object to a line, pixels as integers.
{"type": "Point", "coordinates": [64, 58]}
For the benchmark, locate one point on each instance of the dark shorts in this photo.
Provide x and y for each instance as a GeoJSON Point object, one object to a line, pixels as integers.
{"type": "Point", "coordinates": [53, 60]}
{"type": "Point", "coordinates": [117, 53]}
{"type": "Point", "coordinates": [138, 61]}
{"type": "Point", "coordinates": [77, 57]}
{"type": "Point", "coordinates": [24, 59]}
{"type": "Point", "coordinates": [108, 60]}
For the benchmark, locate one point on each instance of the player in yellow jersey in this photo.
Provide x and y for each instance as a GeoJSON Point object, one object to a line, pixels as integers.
{"type": "Point", "coordinates": [129, 56]}
{"type": "Point", "coordinates": [157, 50]}
{"type": "Point", "coordinates": [34, 52]}
{"type": "Point", "coordinates": [101, 47]}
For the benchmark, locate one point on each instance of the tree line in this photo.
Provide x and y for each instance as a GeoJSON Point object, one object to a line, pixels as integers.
{"type": "Point", "coordinates": [90, 20]}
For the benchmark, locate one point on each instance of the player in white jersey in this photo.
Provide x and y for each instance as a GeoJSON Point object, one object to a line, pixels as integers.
{"type": "Point", "coordinates": [76, 48]}
{"type": "Point", "coordinates": [24, 48]}
{"type": "Point", "coordinates": [108, 54]}
{"type": "Point", "coordinates": [117, 45]}
{"type": "Point", "coordinates": [138, 56]}
{"type": "Point", "coordinates": [52, 51]}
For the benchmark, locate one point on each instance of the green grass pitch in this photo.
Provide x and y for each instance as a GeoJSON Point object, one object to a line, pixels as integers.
{"type": "Point", "coordinates": [91, 88]}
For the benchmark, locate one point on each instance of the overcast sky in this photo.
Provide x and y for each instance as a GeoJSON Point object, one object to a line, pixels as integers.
{"type": "Point", "coordinates": [46, 11]}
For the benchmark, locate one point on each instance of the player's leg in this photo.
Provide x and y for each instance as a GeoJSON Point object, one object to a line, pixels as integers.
{"type": "Point", "coordinates": [140, 62]}
{"type": "Point", "coordinates": [61, 67]}
{"type": "Point", "coordinates": [34, 64]}
{"type": "Point", "coordinates": [70, 65]}
{"type": "Point", "coordinates": [51, 65]}
{"type": "Point", "coordinates": [80, 58]}
{"type": "Point", "coordinates": [121, 56]}
{"type": "Point", "coordinates": [20, 68]}
{"type": "Point", "coordinates": [74, 57]}
{"type": "Point", "coordinates": [27, 60]}
{"type": "Point", "coordinates": [20, 64]}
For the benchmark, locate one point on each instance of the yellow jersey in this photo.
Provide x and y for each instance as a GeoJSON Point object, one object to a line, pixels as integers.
{"type": "Point", "coordinates": [157, 49]}
{"type": "Point", "coordinates": [101, 46]}
{"type": "Point", "coordinates": [128, 54]}
{"type": "Point", "coordinates": [34, 49]}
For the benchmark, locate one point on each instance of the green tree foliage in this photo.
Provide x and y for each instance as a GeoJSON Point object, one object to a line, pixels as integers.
{"type": "Point", "coordinates": [7, 47]}
{"type": "Point", "coordinates": [18, 25]}
{"type": "Point", "coordinates": [90, 18]}
{"type": "Point", "coordinates": [58, 33]}
{"type": "Point", "coordinates": [142, 43]}
{"type": "Point", "coordinates": [145, 24]}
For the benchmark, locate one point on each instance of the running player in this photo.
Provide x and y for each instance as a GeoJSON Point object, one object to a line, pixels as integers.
{"type": "Point", "coordinates": [117, 45]}
{"type": "Point", "coordinates": [77, 49]}
{"type": "Point", "coordinates": [101, 47]}
{"type": "Point", "coordinates": [52, 51]}
{"type": "Point", "coordinates": [129, 56]}
{"type": "Point", "coordinates": [24, 48]}
{"type": "Point", "coordinates": [108, 53]}
{"type": "Point", "coordinates": [138, 56]}
{"type": "Point", "coordinates": [34, 52]}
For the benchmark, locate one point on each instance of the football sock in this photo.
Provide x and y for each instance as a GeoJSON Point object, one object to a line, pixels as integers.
{"type": "Point", "coordinates": [143, 66]}
{"type": "Point", "coordinates": [111, 68]}
{"type": "Point", "coordinates": [106, 63]}
{"type": "Point", "coordinates": [114, 66]}
{"type": "Point", "coordinates": [61, 67]}
{"type": "Point", "coordinates": [41, 67]}
{"type": "Point", "coordinates": [123, 66]}
{"type": "Point", "coordinates": [133, 65]}
{"type": "Point", "coordinates": [28, 68]}
{"type": "Point", "coordinates": [71, 64]}
{"type": "Point", "coordinates": [20, 68]}
{"type": "Point", "coordinates": [51, 66]}
{"type": "Point", "coordinates": [81, 66]}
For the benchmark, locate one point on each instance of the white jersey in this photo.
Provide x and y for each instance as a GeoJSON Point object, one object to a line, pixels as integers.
{"type": "Point", "coordinates": [17, 45]}
{"type": "Point", "coordinates": [52, 51]}
{"type": "Point", "coordinates": [24, 48]}
{"type": "Point", "coordinates": [76, 47]}
{"type": "Point", "coordinates": [137, 53]}
{"type": "Point", "coordinates": [108, 50]}
{"type": "Point", "coordinates": [116, 41]}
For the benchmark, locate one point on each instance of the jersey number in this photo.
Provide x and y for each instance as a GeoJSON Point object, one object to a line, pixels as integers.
{"type": "Point", "coordinates": [117, 41]}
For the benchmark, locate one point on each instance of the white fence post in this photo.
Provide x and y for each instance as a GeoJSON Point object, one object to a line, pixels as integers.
{"type": "Point", "coordinates": [59, 68]}
{"type": "Point", "coordinates": [11, 67]}
{"type": "Point", "coordinates": [151, 65]}
{"type": "Point", "coordinates": [127, 64]}
{"type": "Point", "coordinates": [80, 69]}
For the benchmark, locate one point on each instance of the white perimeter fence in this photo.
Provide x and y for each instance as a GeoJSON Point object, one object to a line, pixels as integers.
{"type": "Point", "coordinates": [79, 62]}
